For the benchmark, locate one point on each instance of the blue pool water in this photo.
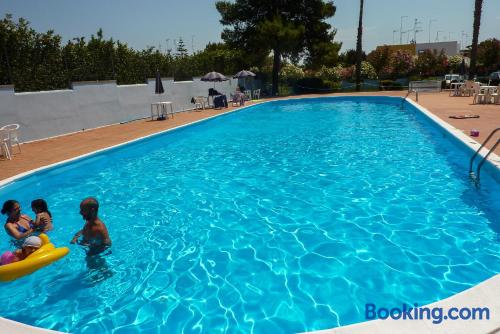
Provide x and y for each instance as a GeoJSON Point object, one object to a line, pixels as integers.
{"type": "Point", "coordinates": [284, 217]}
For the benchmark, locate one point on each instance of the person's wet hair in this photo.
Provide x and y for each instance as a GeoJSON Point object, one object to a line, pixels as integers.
{"type": "Point", "coordinates": [41, 206]}
{"type": "Point", "coordinates": [91, 203]}
{"type": "Point", "coordinates": [8, 206]}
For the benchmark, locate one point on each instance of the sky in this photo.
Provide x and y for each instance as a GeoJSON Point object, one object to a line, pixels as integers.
{"type": "Point", "coordinates": [160, 23]}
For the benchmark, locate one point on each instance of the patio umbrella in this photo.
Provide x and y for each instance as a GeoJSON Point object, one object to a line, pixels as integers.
{"type": "Point", "coordinates": [244, 74]}
{"type": "Point", "coordinates": [158, 84]}
{"type": "Point", "coordinates": [214, 77]}
{"type": "Point", "coordinates": [159, 90]}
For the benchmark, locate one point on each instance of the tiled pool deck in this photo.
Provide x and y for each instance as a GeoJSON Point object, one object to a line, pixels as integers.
{"type": "Point", "coordinates": [50, 151]}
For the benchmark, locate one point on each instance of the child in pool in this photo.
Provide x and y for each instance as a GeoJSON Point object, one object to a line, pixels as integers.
{"type": "Point", "coordinates": [43, 219]}
{"type": "Point", "coordinates": [30, 245]}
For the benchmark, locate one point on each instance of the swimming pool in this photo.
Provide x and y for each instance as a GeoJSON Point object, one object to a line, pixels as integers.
{"type": "Point", "coordinates": [283, 217]}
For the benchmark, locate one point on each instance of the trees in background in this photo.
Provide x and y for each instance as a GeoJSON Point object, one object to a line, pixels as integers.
{"type": "Point", "coordinates": [488, 56]}
{"type": "Point", "coordinates": [478, 4]}
{"type": "Point", "coordinates": [359, 47]}
{"type": "Point", "coordinates": [31, 60]}
{"type": "Point", "coordinates": [36, 61]}
{"type": "Point", "coordinates": [287, 29]}
{"type": "Point", "coordinates": [431, 63]}
{"type": "Point", "coordinates": [380, 59]}
{"type": "Point", "coordinates": [401, 63]}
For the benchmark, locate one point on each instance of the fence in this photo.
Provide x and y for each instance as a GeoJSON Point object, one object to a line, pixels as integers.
{"type": "Point", "coordinates": [94, 104]}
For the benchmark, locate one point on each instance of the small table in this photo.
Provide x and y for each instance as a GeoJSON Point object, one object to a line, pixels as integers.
{"type": "Point", "coordinates": [455, 88]}
{"type": "Point", "coordinates": [160, 109]}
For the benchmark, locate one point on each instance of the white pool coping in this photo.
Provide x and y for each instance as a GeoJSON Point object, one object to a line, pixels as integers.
{"type": "Point", "coordinates": [458, 134]}
{"type": "Point", "coordinates": [13, 327]}
{"type": "Point", "coordinates": [485, 294]}
{"type": "Point", "coordinates": [16, 327]}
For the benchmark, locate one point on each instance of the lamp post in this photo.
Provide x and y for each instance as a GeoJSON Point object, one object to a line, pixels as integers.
{"type": "Point", "coordinates": [401, 30]}
{"type": "Point", "coordinates": [430, 22]}
{"type": "Point", "coordinates": [437, 35]}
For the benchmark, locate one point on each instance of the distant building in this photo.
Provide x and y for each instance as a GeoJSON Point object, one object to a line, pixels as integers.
{"type": "Point", "coordinates": [449, 48]}
{"type": "Point", "coordinates": [405, 47]}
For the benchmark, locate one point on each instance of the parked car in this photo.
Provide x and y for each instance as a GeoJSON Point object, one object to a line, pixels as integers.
{"type": "Point", "coordinates": [495, 78]}
{"type": "Point", "coordinates": [449, 78]}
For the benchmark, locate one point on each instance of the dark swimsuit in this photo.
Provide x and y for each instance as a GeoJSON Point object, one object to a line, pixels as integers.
{"type": "Point", "coordinates": [23, 229]}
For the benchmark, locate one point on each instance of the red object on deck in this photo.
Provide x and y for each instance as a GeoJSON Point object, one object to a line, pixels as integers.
{"type": "Point", "coordinates": [474, 133]}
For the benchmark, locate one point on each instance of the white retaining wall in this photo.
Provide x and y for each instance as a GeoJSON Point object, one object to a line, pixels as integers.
{"type": "Point", "coordinates": [93, 104]}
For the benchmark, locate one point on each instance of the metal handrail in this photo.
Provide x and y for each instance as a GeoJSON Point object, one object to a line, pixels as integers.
{"type": "Point", "coordinates": [404, 99]}
{"type": "Point", "coordinates": [484, 160]}
{"type": "Point", "coordinates": [479, 149]}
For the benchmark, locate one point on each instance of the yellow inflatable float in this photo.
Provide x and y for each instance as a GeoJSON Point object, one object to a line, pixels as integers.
{"type": "Point", "coordinates": [42, 257]}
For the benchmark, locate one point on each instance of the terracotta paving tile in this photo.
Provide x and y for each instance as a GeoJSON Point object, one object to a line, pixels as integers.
{"type": "Point", "coordinates": [49, 151]}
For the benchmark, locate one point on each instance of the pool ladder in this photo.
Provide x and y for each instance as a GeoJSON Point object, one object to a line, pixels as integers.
{"type": "Point", "coordinates": [404, 99]}
{"type": "Point", "coordinates": [476, 177]}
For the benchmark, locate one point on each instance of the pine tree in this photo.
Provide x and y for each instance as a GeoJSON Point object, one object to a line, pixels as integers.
{"type": "Point", "coordinates": [181, 49]}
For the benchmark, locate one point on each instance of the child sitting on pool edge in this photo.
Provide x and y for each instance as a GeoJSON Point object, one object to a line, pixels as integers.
{"type": "Point", "coordinates": [30, 245]}
{"type": "Point", "coordinates": [43, 218]}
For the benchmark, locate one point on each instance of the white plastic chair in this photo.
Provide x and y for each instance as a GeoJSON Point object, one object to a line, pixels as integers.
{"type": "Point", "coordinates": [479, 95]}
{"type": "Point", "coordinates": [13, 135]}
{"type": "Point", "coordinates": [237, 99]}
{"type": "Point", "coordinates": [467, 88]}
{"type": "Point", "coordinates": [4, 144]}
{"type": "Point", "coordinates": [200, 103]}
{"type": "Point", "coordinates": [496, 96]}
{"type": "Point", "coordinates": [248, 95]}
{"type": "Point", "coordinates": [256, 94]}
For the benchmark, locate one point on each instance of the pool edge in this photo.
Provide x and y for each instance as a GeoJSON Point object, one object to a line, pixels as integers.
{"type": "Point", "coordinates": [480, 295]}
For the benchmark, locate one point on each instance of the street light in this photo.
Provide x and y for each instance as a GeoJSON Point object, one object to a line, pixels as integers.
{"type": "Point", "coordinates": [401, 30]}
{"type": "Point", "coordinates": [430, 22]}
{"type": "Point", "coordinates": [437, 35]}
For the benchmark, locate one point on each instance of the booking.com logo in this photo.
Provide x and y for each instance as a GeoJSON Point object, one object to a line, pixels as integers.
{"type": "Point", "coordinates": [436, 314]}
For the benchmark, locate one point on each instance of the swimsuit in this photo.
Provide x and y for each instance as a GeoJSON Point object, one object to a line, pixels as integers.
{"type": "Point", "coordinates": [23, 229]}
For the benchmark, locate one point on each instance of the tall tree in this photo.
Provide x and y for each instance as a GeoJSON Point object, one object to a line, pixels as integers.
{"type": "Point", "coordinates": [475, 36]}
{"type": "Point", "coordinates": [181, 49]}
{"type": "Point", "coordinates": [359, 47]}
{"type": "Point", "coordinates": [286, 28]}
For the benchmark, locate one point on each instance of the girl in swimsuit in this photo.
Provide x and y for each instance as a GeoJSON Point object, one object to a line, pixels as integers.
{"type": "Point", "coordinates": [17, 225]}
{"type": "Point", "coordinates": [43, 218]}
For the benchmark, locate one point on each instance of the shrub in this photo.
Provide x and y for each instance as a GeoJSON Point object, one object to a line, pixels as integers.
{"type": "Point", "coordinates": [430, 63]}
{"type": "Point", "coordinates": [368, 71]}
{"type": "Point", "coordinates": [290, 73]}
{"type": "Point", "coordinates": [328, 73]}
{"type": "Point", "coordinates": [379, 58]}
{"type": "Point", "coordinates": [454, 63]}
{"type": "Point", "coordinates": [349, 73]}
{"type": "Point", "coordinates": [401, 63]}
{"type": "Point", "coordinates": [488, 55]}
{"type": "Point", "coordinates": [284, 90]}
